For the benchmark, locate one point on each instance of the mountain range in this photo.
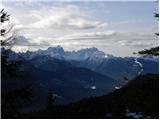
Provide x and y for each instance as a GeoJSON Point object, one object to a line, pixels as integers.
{"type": "Point", "coordinates": [97, 61]}
{"type": "Point", "coordinates": [73, 75]}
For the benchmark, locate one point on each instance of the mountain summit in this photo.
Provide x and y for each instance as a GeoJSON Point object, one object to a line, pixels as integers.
{"type": "Point", "coordinates": [59, 53]}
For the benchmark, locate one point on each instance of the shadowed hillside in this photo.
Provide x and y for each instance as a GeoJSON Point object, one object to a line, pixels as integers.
{"type": "Point", "coordinates": [138, 99]}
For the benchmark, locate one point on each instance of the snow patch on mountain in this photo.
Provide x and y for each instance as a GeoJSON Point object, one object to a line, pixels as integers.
{"type": "Point", "coordinates": [93, 87]}
{"type": "Point", "coordinates": [137, 62]}
{"type": "Point", "coordinates": [118, 87]}
{"type": "Point", "coordinates": [137, 67]}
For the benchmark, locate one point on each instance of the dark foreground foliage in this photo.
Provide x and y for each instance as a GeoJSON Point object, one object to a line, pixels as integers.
{"type": "Point", "coordinates": [140, 96]}
{"type": "Point", "coordinates": [10, 68]}
{"type": "Point", "coordinates": [13, 101]}
{"type": "Point", "coordinates": [153, 51]}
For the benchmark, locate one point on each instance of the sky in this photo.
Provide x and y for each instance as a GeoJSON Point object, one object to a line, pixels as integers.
{"type": "Point", "coordinates": [114, 27]}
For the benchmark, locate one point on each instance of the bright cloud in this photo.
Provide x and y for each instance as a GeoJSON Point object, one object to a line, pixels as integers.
{"type": "Point", "coordinates": [55, 17]}
{"type": "Point", "coordinates": [108, 41]}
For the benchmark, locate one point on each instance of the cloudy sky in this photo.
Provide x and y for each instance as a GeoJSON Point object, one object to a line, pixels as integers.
{"type": "Point", "coordinates": [118, 28]}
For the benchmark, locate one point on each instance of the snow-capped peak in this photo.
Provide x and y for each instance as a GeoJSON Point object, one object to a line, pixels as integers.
{"type": "Point", "coordinates": [58, 52]}
{"type": "Point", "coordinates": [105, 56]}
{"type": "Point", "coordinates": [57, 49]}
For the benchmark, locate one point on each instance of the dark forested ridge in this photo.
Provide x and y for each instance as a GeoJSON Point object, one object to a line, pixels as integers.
{"type": "Point", "coordinates": [138, 99]}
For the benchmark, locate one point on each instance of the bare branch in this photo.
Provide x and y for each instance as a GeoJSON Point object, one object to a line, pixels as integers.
{"type": "Point", "coordinates": [8, 34]}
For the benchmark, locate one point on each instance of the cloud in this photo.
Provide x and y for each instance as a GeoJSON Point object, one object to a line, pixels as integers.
{"type": "Point", "coordinates": [137, 39]}
{"type": "Point", "coordinates": [64, 17]}
{"type": "Point", "coordinates": [57, 17]}
{"type": "Point", "coordinates": [46, 24]}
{"type": "Point", "coordinates": [103, 38]}
{"type": "Point", "coordinates": [120, 44]}
{"type": "Point", "coordinates": [88, 36]}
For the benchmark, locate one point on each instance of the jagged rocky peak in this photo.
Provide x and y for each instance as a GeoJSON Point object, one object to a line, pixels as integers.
{"type": "Point", "coordinates": [93, 49]}
{"type": "Point", "coordinates": [84, 54]}
{"type": "Point", "coordinates": [55, 49]}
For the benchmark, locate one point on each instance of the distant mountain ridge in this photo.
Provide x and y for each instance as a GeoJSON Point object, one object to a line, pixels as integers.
{"type": "Point", "coordinates": [98, 61]}
{"type": "Point", "coordinates": [59, 53]}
